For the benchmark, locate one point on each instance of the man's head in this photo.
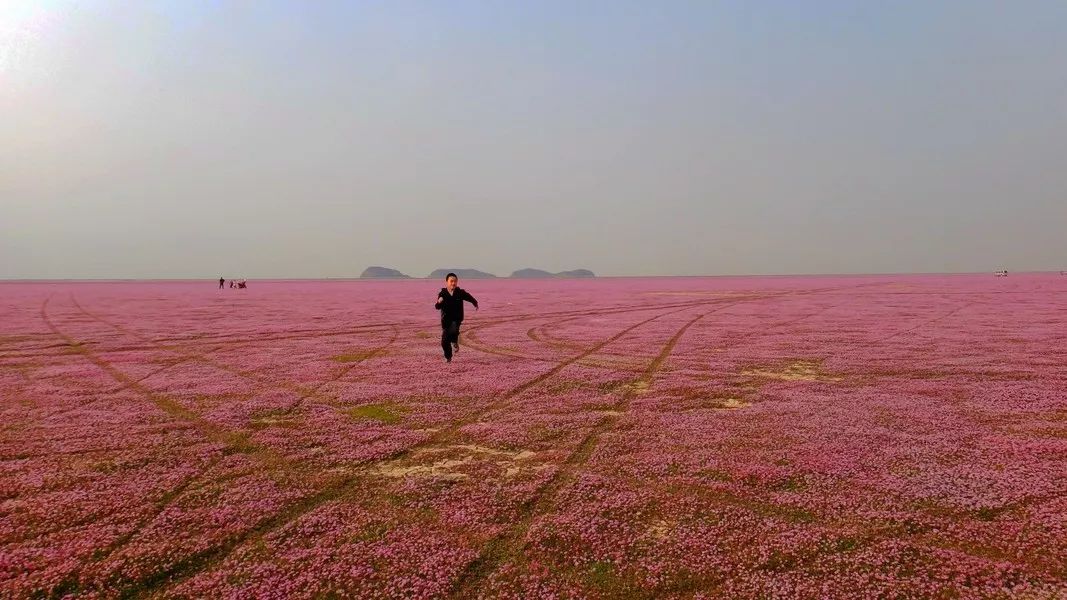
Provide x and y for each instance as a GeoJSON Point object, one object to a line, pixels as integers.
{"type": "Point", "coordinates": [450, 281]}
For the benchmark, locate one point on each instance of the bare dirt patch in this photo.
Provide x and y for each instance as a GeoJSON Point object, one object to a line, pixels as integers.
{"type": "Point", "coordinates": [636, 387]}
{"type": "Point", "coordinates": [733, 403]}
{"type": "Point", "coordinates": [799, 370]}
{"type": "Point", "coordinates": [358, 356]}
{"type": "Point", "coordinates": [273, 420]}
{"type": "Point", "coordinates": [449, 462]}
{"type": "Point", "coordinates": [659, 529]}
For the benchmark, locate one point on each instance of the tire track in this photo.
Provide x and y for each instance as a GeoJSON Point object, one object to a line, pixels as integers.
{"type": "Point", "coordinates": [415, 326]}
{"type": "Point", "coordinates": [510, 542]}
{"type": "Point", "coordinates": [474, 342]}
{"type": "Point", "coordinates": [202, 358]}
{"type": "Point", "coordinates": [539, 334]}
{"type": "Point", "coordinates": [480, 346]}
{"type": "Point", "coordinates": [125, 386]}
{"type": "Point", "coordinates": [314, 390]}
{"type": "Point", "coordinates": [235, 441]}
{"type": "Point", "coordinates": [194, 564]}
{"type": "Point", "coordinates": [172, 408]}
{"type": "Point", "coordinates": [204, 561]}
{"type": "Point", "coordinates": [71, 584]}
{"type": "Point", "coordinates": [164, 580]}
{"type": "Point", "coordinates": [166, 405]}
{"type": "Point", "coordinates": [922, 324]}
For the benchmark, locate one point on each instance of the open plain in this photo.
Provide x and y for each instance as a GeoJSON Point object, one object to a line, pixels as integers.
{"type": "Point", "coordinates": [842, 437]}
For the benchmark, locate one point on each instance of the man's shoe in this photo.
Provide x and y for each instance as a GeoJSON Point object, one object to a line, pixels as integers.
{"type": "Point", "coordinates": [455, 346]}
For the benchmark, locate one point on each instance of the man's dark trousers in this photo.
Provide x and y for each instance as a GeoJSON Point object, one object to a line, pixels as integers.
{"type": "Point", "coordinates": [449, 336]}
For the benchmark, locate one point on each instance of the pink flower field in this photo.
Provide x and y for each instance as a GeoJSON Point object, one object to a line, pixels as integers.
{"type": "Point", "coordinates": [778, 437]}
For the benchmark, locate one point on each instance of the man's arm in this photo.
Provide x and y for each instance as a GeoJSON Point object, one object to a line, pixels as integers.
{"type": "Point", "coordinates": [440, 298]}
{"type": "Point", "coordinates": [467, 296]}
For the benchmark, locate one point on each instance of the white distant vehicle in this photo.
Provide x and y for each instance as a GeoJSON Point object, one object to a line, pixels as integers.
{"type": "Point", "coordinates": [1000, 273]}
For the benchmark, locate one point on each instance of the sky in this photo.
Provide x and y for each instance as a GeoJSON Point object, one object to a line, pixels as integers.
{"type": "Point", "coordinates": [313, 139]}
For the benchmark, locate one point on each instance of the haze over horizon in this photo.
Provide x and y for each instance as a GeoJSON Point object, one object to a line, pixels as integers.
{"type": "Point", "coordinates": [192, 140]}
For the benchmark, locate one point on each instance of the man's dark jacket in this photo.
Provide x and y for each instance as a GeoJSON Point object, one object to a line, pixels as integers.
{"type": "Point", "coordinates": [451, 305]}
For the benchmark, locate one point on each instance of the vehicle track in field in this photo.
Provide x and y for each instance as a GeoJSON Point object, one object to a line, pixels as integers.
{"type": "Point", "coordinates": [875, 534]}
{"type": "Point", "coordinates": [472, 340]}
{"type": "Point", "coordinates": [189, 567]}
{"type": "Point", "coordinates": [160, 583]}
{"type": "Point", "coordinates": [304, 390]}
{"type": "Point", "coordinates": [925, 323]}
{"type": "Point", "coordinates": [213, 432]}
{"type": "Point", "coordinates": [538, 331]}
{"type": "Point", "coordinates": [420, 325]}
{"type": "Point", "coordinates": [510, 541]}
{"type": "Point", "coordinates": [254, 376]}
{"type": "Point", "coordinates": [342, 372]}
{"type": "Point", "coordinates": [105, 395]}
{"type": "Point", "coordinates": [334, 490]}
{"type": "Point", "coordinates": [481, 346]}
{"type": "Point", "coordinates": [539, 334]}
{"type": "Point", "coordinates": [166, 405]}
{"type": "Point", "coordinates": [233, 440]}
{"type": "Point", "coordinates": [312, 392]}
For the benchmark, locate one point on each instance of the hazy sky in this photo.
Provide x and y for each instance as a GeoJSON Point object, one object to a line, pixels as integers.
{"type": "Point", "coordinates": [193, 139]}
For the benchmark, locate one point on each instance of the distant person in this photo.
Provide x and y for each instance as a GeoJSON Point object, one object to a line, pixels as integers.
{"type": "Point", "coordinates": [242, 284]}
{"type": "Point", "coordinates": [222, 282]}
{"type": "Point", "coordinates": [450, 302]}
{"type": "Point", "coordinates": [232, 284]}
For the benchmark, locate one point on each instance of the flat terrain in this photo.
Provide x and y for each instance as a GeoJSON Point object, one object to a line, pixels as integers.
{"type": "Point", "coordinates": [844, 437]}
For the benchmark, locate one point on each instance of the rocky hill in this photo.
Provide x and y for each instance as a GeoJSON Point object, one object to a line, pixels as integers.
{"type": "Point", "coordinates": [462, 274]}
{"type": "Point", "coordinates": [382, 273]}
{"type": "Point", "coordinates": [576, 274]}
{"type": "Point", "coordinates": [531, 274]}
{"type": "Point", "coordinates": [542, 274]}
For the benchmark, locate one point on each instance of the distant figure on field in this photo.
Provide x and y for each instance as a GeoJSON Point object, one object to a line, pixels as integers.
{"type": "Point", "coordinates": [450, 302]}
{"type": "Point", "coordinates": [242, 284]}
{"type": "Point", "coordinates": [222, 282]}
{"type": "Point", "coordinates": [232, 284]}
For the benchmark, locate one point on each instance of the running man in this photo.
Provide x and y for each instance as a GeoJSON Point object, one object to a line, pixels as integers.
{"type": "Point", "coordinates": [450, 303]}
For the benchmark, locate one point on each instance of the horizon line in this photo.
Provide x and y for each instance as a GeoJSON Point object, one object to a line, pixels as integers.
{"type": "Point", "coordinates": [506, 277]}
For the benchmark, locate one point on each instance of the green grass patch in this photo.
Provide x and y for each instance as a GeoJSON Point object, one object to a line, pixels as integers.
{"type": "Point", "coordinates": [383, 413]}
{"type": "Point", "coordinates": [789, 484]}
{"type": "Point", "coordinates": [371, 533]}
{"type": "Point", "coordinates": [607, 580]}
{"type": "Point", "coordinates": [716, 475]}
{"type": "Point", "coordinates": [602, 575]}
{"type": "Point", "coordinates": [846, 544]}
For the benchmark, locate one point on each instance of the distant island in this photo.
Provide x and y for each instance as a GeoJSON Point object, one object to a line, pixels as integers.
{"type": "Point", "coordinates": [382, 273]}
{"type": "Point", "coordinates": [576, 274]}
{"type": "Point", "coordinates": [462, 274]}
{"type": "Point", "coordinates": [387, 273]}
{"type": "Point", "coordinates": [541, 274]}
{"type": "Point", "coordinates": [531, 274]}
